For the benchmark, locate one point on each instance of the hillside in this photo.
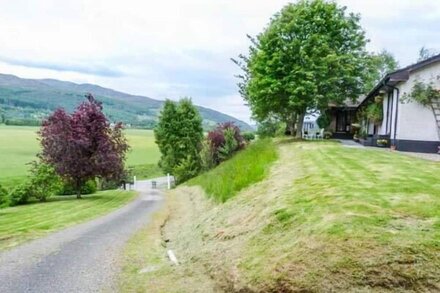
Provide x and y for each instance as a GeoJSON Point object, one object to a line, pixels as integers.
{"type": "Point", "coordinates": [325, 219]}
{"type": "Point", "coordinates": [32, 99]}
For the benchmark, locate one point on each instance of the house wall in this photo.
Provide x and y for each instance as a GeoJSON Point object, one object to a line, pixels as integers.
{"type": "Point", "coordinates": [417, 122]}
{"type": "Point", "coordinates": [416, 125]}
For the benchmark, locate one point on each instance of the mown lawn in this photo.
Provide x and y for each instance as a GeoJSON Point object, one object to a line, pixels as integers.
{"type": "Point", "coordinates": [326, 219]}
{"type": "Point", "coordinates": [22, 223]}
{"type": "Point", "coordinates": [19, 145]}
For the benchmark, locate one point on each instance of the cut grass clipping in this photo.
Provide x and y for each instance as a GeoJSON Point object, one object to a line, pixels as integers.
{"type": "Point", "coordinates": [21, 223]}
{"type": "Point", "coordinates": [245, 168]}
{"type": "Point", "coordinates": [326, 219]}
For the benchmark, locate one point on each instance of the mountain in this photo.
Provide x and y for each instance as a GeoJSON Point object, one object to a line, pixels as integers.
{"type": "Point", "coordinates": [27, 101]}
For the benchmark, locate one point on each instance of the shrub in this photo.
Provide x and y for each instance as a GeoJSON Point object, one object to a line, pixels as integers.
{"type": "Point", "coordinates": [422, 93]}
{"type": "Point", "coordinates": [4, 197]}
{"type": "Point", "coordinates": [270, 128]}
{"type": "Point", "coordinates": [248, 136]}
{"type": "Point", "coordinates": [187, 169]}
{"type": "Point", "coordinates": [207, 155]}
{"type": "Point", "coordinates": [20, 195]}
{"type": "Point", "coordinates": [217, 139]}
{"type": "Point", "coordinates": [328, 134]}
{"type": "Point", "coordinates": [374, 112]}
{"type": "Point", "coordinates": [87, 188]}
{"type": "Point", "coordinates": [44, 181]}
{"type": "Point", "coordinates": [229, 147]}
{"type": "Point", "coordinates": [323, 120]}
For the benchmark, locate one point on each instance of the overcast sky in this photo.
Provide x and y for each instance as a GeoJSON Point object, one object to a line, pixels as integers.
{"type": "Point", "coordinates": [174, 48]}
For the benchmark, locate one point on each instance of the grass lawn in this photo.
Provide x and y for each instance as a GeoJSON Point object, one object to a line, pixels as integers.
{"type": "Point", "coordinates": [19, 145]}
{"type": "Point", "coordinates": [22, 223]}
{"type": "Point", "coordinates": [327, 218]}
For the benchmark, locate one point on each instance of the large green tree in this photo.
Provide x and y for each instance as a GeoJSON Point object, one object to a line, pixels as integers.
{"type": "Point", "coordinates": [311, 53]}
{"type": "Point", "coordinates": [379, 64]}
{"type": "Point", "coordinates": [179, 135]}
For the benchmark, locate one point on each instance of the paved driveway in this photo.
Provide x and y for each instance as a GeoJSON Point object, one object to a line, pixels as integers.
{"type": "Point", "coordinates": [82, 258]}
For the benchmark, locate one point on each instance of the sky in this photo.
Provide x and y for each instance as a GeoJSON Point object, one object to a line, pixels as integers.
{"type": "Point", "coordinates": [176, 48]}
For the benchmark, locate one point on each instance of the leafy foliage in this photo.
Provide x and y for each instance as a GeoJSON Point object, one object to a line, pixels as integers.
{"type": "Point", "coordinates": [179, 135]}
{"type": "Point", "coordinates": [423, 93]}
{"type": "Point", "coordinates": [225, 139]}
{"type": "Point", "coordinates": [248, 136]}
{"type": "Point", "coordinates": [311, 53]}
{"type": "Point", "coordinates": [4, 197]}
{"type": "Point", "coordinates": [44, 181]}
{"type": "Point", "coordinates": [83, 145]}
{"type": "Point", "coordinates": [230, 145]}
{"type": "Point", "coordinates": [324, 120]}
{"type": "Point", "coordinates": [374, 112]}
{"type": "Point", "coordinates": [378, 65]}
{"type": "Point", "coordinates": [88, 187]}
{"type": "Point", "coordinates": [270, 127]}
{"type": "Point", "coordinates": [20, 194]}
{"type": "Point", "coordinates": [207, 155]}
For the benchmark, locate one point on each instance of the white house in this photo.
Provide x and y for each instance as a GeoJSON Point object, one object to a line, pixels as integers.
{"type": "Point", "coordinates": [407, 125]}
{"type": "Point", "coordinates": [404, 125]}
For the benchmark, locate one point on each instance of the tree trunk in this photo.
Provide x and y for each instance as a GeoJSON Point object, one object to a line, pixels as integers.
{"type": "Point", "coordinates": [290, 123]}
{"type": "Point", "coordinates": [299, 125]}
{"type": "Point", "coordinates": [78, 189]}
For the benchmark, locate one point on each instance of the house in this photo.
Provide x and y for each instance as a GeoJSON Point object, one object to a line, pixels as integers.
{"type": "Point", "coordinates": [387, 115]}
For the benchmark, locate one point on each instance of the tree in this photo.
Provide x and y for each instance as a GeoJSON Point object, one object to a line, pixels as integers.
{"type": "Point", "coordinates": [311, 53]}
{"type": "Point", "coordinates": [378, 66]}
{"type": "Point", "coordinates": [426, 53]}
{"type": "Point", "coordinates": [83, 145]}
{"type": "Point", "coordinates": [179, 135]}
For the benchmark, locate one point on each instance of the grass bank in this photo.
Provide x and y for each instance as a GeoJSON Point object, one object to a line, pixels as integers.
{"type": "Point", "coordinates": [244, 169]}
{"type": "Point", "coordinates": [22, 223]}
{"type": "Point", "coordinates": [327, 218]}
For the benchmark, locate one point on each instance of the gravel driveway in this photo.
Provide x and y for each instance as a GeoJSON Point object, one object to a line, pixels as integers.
{"type": "Point", "coordinates": [82, 258]}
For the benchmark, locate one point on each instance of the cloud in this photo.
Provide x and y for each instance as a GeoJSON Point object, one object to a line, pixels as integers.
{"type": "Point", "coordinates": [93, 69]}
{"type": "Point", "coordinates": [173, 48]}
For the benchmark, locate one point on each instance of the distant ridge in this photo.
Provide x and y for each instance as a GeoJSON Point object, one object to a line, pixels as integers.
{"type": "Point", "coordinates": [32, 99]}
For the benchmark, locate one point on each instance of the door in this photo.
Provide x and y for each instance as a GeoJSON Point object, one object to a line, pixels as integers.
{"type": "Point", "coordinates": [341, 121]}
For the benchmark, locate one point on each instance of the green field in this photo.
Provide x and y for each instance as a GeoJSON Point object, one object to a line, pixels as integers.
{"type": "Point", "coordinates": [19, 145]}
{"type": "Point", "coordinates": [22, 223]}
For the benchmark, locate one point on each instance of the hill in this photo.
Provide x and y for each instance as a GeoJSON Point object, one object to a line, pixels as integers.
{"type": "Point", "coordinates": [326, 218]}
{"type": "Point", "coordinates": [29, 100]}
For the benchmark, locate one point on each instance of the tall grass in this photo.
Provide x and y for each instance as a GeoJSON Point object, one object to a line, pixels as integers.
{"type": "Point", "coordinates": [245, 168]}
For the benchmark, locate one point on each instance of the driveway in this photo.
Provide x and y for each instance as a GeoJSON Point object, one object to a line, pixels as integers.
{"type": "Point", "coordinates": [82, 258]}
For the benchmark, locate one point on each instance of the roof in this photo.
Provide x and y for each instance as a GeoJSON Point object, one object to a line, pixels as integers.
{"type": "Point", "coordinates": [394, 77]}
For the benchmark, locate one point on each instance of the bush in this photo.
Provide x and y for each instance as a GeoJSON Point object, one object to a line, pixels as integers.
{"type": "Point", "coordinates": [4, 197]}
{"type": "Point", "coordinates": [271, 128]}
{"type": "Point", "coordinates": [328, 134]}
{"type": "Point", "coordinates": [374, 112]}
{"type": "Point", "coordinates": [44, 181]}
{"type": "Point", "coordinates": [323, 120]}
{"type": "Point", "coordinates": [207, 155]}
{"type": "Point", "coordinates": [217, 139]}
{"type": "Point", "coordinates": [229, 147]}
{"type": "Point", "coordinates": [187, 169]}
{"type": "Point", "coordinates": [248, 136]}
{"type": "Point", "coordinates": [20, 195]}
{"type": "Point", "coordinates": [88, 188]}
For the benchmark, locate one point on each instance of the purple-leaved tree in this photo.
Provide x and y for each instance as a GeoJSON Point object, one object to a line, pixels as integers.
{"type": "Point", "coordinates": [83, 145]}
